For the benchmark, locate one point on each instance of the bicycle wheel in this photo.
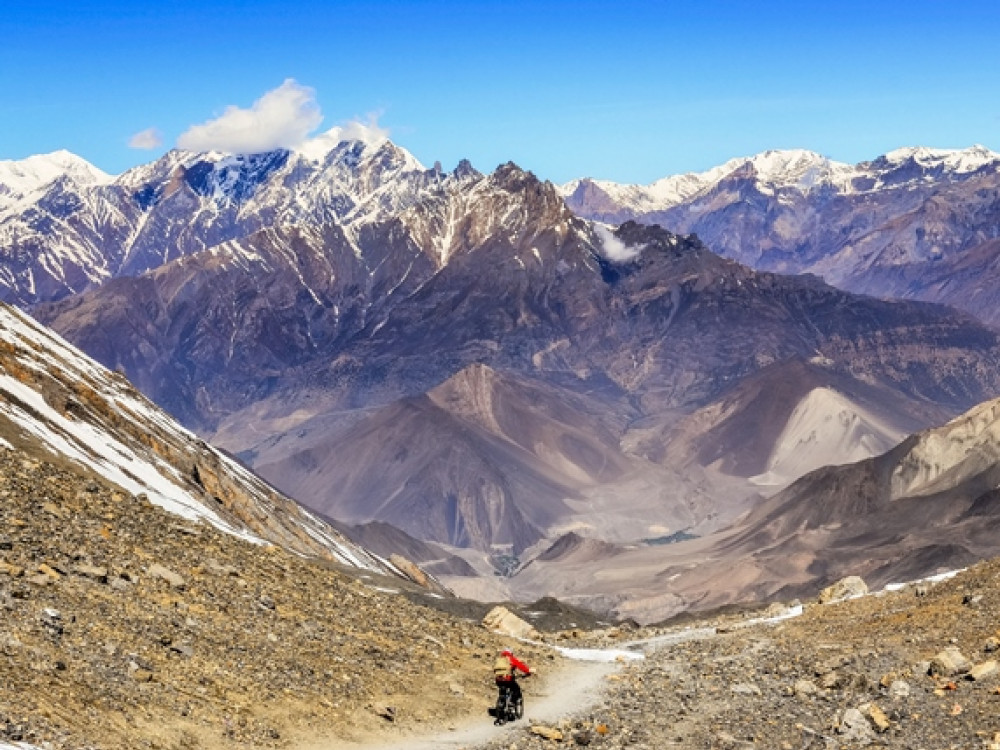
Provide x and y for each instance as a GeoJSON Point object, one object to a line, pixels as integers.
{"type": "Point", "coordinates": [519, 708]}
{"type": "Point", "coordinates": [501, 709]}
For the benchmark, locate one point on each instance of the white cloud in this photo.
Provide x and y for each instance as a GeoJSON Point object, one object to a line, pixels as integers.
{"type": "Point", "coordinates": [146, 140]}
{"type": "Point", "coordinates": [613, 248]}
{"type": "Point", "coordinates": [282, 118]}
{"type": "Point", "coordinates": [369, 132]}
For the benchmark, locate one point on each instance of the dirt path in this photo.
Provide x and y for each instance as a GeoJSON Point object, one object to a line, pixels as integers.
{"type": "Point", "coordinates": [579, 685]}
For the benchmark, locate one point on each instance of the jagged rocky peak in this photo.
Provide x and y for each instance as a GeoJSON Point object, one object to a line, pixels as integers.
{"type": "Point", "coordinates": [510, 204]}
{"type": "Point", "coordinates": [632, 243]}
{"type": "Point", "coordinates": [465, 171]}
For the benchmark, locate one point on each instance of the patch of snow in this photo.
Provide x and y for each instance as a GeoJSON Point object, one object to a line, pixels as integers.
{"type": "Point", "coordinates": [788, 614]}
{"type": "Point", "coordinates": [929, 579]}
{"type": "Point", "coordinates": [600, 655]}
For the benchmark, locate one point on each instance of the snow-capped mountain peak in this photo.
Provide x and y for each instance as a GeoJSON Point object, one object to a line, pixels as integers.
{"type": "Point", "coordinates": [28, 175]}
{"type": "Point", "coordinates": [799, 168]}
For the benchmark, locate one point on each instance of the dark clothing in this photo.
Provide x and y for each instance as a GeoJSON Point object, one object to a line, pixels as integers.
{"type": "Point", "coordinates": [509, 685]}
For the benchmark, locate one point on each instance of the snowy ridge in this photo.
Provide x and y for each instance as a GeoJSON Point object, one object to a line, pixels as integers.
{"type": "Point", "coordinates": [101, 423]}
{"type": "Point", "coordinates": [776, 170]}
{"type": "Point", "coordinates": [27, 175]}
{"type": "Point", "coordinates": [65, 226]}
{"type": "Point", "coordinates": [958, 161]}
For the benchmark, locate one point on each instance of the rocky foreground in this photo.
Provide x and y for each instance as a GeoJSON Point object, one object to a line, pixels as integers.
{"type": "Point", "coordinates": [122, 626]}
{"type": "Point", "coordinates": [913, 669]}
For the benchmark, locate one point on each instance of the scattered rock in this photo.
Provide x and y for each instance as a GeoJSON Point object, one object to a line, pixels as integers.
{"type": "Point", "coordinates": [99, 574]}
{"type": "Point", "coordinates": [745, 688]}
{"type": "Point", "coordinates": [218, 569]}
{"type": "Point", "coordinates": [878, 717]}
{"type": "Point", "coordinates": [174, 579]}
{"type": "Point", "coordinates": [549, 733]}
{"type": "Point", "coordinates": [948, 663]}
{"type": "Point", "coordinates": [50, 571]}
{"type": "Point", "coordinates": [804, 688]}
{"type": "Point", "coordinates": [983, 670]}
{"type": "Point", "coordinates": [899, 689]}
{"type": "Point", "coordinates": [14, 571]}
{"type": "Point", "coordinates": [854, 727]}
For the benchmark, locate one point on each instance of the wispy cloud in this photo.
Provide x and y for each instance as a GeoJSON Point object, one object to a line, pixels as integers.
{"type": "Point", "coordinates": [282, 118]}
{"type": "Point", "coordinates": [613, 248]}
{"type": "Point", "coordinates": [146, 140]}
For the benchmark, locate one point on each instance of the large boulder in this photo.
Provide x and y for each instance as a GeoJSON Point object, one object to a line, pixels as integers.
{"type": "Point", "coordinates": [846, 588]}
{"type": "Point", "coordinates": [502, 620]}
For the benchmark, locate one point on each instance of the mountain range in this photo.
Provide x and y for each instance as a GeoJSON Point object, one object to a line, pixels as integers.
{"type": "Point", "coordinates": [916, 223]}
{"type": "Point", "coordinates": [461, 355]}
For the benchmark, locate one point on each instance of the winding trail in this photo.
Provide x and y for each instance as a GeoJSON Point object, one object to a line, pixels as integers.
{"type": "Point", "coordinates": [578, 686]}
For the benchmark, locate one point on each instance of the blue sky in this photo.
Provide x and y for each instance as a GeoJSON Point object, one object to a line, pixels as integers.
{"type": "Point", "coordinates": [629, 91]}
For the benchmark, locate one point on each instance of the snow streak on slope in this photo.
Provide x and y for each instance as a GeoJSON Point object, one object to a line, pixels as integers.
{"type": "Point", "coordinates": [54, 397]}
{"type": "Point", "coordinates": [826, 429]}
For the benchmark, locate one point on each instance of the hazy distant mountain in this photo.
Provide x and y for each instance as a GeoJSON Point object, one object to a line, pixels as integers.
{"type": "Point", "coordinates": [916, 223]}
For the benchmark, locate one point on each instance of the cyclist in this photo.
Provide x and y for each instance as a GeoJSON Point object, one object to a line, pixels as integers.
{"type": "Point", "coordinates": [505, 670]}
